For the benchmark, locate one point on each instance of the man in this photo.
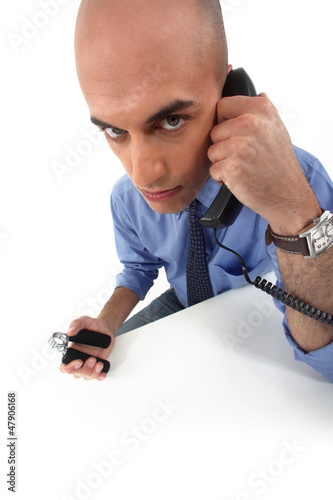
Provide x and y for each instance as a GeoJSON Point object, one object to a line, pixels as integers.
{"type": "Point", "coordinates": [152, 74]}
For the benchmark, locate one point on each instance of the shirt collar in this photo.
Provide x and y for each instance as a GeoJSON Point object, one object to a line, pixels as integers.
{"type": "Point", "coordinates": [208, 192]}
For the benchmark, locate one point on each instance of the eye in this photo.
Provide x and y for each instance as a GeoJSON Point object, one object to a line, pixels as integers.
{"type": "Point", "coordinates": [114, 133]}
{"type": "Point", "coordinates": [172, 122]}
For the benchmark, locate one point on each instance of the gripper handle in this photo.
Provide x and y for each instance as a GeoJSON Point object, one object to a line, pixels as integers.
{"type": "Point", "coordinates": [88, 337]}
{"type": "Point", "coordinates": [73, 354]}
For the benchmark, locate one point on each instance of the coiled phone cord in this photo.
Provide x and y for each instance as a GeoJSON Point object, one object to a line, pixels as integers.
{"type": "Point", "coordinates": [281, 295]}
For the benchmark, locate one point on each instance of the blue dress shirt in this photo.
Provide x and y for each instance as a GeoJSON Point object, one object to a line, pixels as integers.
{"type": "Point", "coordinates": [147, 241]}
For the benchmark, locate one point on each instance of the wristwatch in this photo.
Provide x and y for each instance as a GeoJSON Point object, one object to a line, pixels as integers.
{"type": "Point", "coordinates": [311, 242]}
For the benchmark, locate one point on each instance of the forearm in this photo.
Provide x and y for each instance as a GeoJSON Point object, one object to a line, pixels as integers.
{"type": "Point", "coordinates": [310, 280]}
{"type": "Point", "coordinates": [118, 307]}
{"type": "Point", "coordinates": [253, 155]}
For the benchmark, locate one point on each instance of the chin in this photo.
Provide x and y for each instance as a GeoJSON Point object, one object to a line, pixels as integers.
{"type": "Point", "coordinates": [161, 208]}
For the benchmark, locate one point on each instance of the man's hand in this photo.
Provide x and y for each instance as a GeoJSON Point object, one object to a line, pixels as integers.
{"type": "Point", "coordinates": [253, 155]}
{"type": "Point", "coordinates": [90, 370]}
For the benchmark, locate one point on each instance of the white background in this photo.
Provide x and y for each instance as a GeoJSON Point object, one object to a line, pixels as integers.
{"type": "Point", "coordinates": [57, 253]}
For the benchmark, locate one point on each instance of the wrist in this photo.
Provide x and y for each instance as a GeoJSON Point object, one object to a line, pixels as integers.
{"type": "Point", "coordinates": [312, 241]}
{"type": "Point", "coordinates": [109, 320]}
{"type": "Point", "coordinates": [296, 222]}
{"type": "Point", "coordinates": [117, 309]}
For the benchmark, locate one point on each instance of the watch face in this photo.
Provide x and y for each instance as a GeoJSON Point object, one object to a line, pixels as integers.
{"type": "Point", "coordinates": [323, 237]}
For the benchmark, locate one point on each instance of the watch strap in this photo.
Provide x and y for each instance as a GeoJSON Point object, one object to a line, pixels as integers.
{"type": "Point", "coordinates": [289, 244]}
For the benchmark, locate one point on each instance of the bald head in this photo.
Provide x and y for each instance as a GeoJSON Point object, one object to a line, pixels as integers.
{"type": "Point", "coordinates": [152, 73]}
{"type": "Point", "coordinates": [211, 20]}
{"type": "Point", "coordinates": [191, 29]}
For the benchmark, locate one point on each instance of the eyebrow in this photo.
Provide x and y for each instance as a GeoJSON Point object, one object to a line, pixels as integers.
{"type": "Point", "coordinates": [172, 107]}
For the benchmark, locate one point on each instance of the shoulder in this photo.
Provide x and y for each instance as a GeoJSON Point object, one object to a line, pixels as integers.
{"type": "Point", "coordinates": [123, 199]}
{"type": "Point", "coordinates": [309, 163]}
{"type": "Point", "coordinates": [129, 206]}
{"type": "Point", "coordinates": [123, 185]}
{"type": "Point", "coordinates": [124, 193]}
{"type": "Point", "coordinates": [317, 177]}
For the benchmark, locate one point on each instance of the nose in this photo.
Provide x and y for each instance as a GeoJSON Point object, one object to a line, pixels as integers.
{"type": "Point", "coordinates": [147, 164]}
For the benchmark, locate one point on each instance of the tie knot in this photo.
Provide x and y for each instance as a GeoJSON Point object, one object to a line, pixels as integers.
{"type": "Point", "coordinates": [192, 209]}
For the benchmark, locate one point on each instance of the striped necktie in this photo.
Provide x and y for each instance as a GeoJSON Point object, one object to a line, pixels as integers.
{"type": "Point", "coordinates": [198, 283]}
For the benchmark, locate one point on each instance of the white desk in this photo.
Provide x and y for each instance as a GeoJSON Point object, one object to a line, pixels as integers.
{"type": "Point", "coordinates": [244, 420]}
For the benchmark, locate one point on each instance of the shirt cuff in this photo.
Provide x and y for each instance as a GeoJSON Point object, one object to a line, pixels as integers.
{"type": "Point", "coordinates": [136, 281]}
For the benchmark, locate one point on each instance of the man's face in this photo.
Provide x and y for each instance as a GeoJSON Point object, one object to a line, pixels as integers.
{"type": "Point", "coordinates": [156, 104]}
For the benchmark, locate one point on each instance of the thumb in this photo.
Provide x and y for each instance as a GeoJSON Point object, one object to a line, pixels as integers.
{"type": "Point", "coordinates": [78, 324]}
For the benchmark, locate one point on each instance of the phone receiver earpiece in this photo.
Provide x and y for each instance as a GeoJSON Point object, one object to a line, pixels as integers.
{"type": "Point", "coordinates": [238, 82]}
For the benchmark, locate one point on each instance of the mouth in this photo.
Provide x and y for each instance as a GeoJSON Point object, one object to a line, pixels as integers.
{"type": "Point", "coordinates": [160, 195]}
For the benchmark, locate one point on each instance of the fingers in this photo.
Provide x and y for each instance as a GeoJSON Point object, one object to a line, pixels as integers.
{"type": "Point", "coordinates": [231, 107]}
{"type": "Point", "coordinates": [242, 126]}
{"type": "Point", "coordinates": [243, 116]}
{"type": "Point", "coordinates": [88, 323]}
{"type": "Point", "coordinates": [236, 148]}
{"type": "Point", "coordinates": [95, 325]}
{"type": "Point", "coordinates": [90, 370]}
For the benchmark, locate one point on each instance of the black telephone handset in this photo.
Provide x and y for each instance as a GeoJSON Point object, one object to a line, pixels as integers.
{"type": "Point", "coordinates": [225, 208]}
